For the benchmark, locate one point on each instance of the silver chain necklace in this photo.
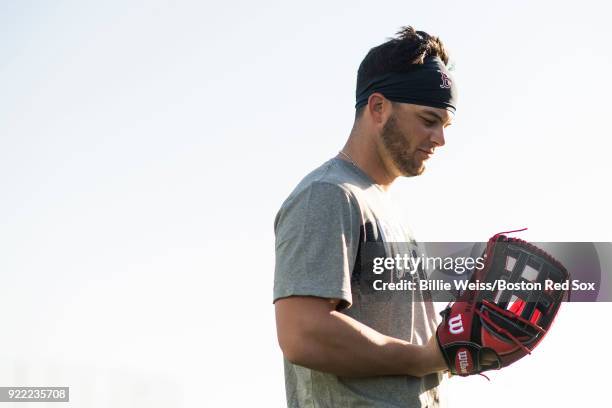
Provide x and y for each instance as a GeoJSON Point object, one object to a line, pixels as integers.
{"type": "Point", "coordinates": [348, 157]}
{"type": "Point", "coordinates": [357, 167]}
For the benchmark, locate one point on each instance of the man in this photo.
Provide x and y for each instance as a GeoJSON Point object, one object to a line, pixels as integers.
{"type": "Point", "coordinates": [345, 342]}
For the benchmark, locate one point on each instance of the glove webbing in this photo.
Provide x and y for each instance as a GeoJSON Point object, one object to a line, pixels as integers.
{"type": "Point", "coordinates": [501, 330]}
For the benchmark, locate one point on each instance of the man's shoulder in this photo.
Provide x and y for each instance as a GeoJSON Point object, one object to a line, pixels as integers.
{"type": "Point", "coordinates": [335, 176]}
{"type": "Point", "coordinates": [334, 184]}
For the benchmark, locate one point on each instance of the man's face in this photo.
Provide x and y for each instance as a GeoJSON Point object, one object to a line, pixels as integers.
{"type": "Point", "coordinates": [411, 134]}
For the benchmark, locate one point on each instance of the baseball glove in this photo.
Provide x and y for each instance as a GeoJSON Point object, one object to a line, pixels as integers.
{"type": "Point", "coordinates": [487, 328]}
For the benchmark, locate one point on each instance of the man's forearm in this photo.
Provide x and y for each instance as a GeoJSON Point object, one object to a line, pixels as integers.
{"type": "Point", "coordinates": [341, 345]}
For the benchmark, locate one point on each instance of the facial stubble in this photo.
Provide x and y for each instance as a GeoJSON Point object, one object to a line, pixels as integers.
{"type": "Point", "coordinates": [400, 149]}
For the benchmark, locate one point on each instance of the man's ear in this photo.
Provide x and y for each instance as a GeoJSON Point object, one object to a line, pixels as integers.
{"type": "Point", "coordinates": [379, 108]}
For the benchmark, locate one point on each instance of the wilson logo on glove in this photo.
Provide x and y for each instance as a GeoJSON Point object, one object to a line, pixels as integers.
{"type": "Point", "coordinates": [455, 325]}
{"type": "Point", "coordinates": [463, 361]}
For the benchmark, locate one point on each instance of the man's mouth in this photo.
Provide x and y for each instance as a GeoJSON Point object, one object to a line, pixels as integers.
{"type": "Point", "coordinates": [427, 153]}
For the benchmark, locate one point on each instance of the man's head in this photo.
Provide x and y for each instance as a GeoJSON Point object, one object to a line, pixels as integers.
{"type": "Point", "coordinates": [404, 98]}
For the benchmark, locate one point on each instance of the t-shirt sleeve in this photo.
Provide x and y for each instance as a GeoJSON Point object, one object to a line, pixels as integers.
{"type": "Point", "coordinates": [317, 240]}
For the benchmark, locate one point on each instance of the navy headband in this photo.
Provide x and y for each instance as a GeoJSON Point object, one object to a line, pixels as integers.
{"type": "Point", "coordinates": [428, 84]}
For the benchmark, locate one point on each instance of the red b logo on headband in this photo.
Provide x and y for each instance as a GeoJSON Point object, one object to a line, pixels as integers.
{"type": "Point", "coordinates": [446, 81]}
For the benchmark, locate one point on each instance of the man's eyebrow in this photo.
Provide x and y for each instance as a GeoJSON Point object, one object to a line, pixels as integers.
{"type": "Point", "coordinates": [439, 117]}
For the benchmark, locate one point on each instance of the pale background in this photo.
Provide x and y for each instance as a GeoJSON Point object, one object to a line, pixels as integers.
{"type": "Point", "coordinates": [146, 146]}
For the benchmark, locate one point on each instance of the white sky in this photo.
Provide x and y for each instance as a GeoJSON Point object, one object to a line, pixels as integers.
{"type": "Point", "coordinates": [146, 146]}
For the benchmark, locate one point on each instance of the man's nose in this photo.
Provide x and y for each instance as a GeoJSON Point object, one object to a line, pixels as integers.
{"type": "Point", "coordinates": [438, 137]}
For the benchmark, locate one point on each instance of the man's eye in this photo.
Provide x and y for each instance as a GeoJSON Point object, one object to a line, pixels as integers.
{"type": "Point", "coordinates": [429, 122]}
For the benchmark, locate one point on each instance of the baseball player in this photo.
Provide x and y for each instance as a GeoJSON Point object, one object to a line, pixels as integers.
{"type": "Point", "coordinates": [345, 343]}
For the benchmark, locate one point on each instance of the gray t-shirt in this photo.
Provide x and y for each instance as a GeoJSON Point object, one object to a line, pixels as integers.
{"type": "Point", "coordinates": [320, 230]}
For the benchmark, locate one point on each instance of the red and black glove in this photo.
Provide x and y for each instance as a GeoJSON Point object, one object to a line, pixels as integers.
{"type": "Point", "coordinates": [487, 329]}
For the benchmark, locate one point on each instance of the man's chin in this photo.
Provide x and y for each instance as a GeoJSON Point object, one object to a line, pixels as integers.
{"type": "Point", "coordinates": [409, 168]}
{"type": "Point", "coordinates": [412, 172]}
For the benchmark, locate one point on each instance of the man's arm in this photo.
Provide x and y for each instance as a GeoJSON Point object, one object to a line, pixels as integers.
{"type": "Point", "coordinates": [311, 333]}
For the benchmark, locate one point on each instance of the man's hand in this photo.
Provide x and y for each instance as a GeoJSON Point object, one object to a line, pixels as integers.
{"type": "Point", "coordinates": [313, 334]}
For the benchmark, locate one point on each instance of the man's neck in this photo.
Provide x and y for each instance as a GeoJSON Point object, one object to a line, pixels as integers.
{"type": "Point", "coordinates": [362, 151]}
